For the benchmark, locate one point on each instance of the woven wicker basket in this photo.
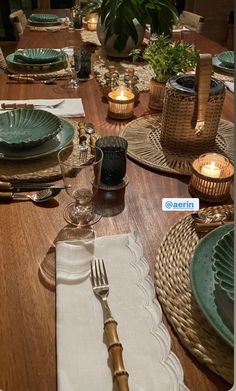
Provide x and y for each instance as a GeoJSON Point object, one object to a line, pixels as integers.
{"type": "Point", "coordinates": [192, 109]}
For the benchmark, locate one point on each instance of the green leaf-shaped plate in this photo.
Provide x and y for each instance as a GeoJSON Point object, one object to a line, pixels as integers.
{"type": "Point", "coordinates": [37, 55]}
{"type": "Point", "coordinates": [44, 18]}
{"type": "Point", "coordinates": [223, 263]}
{"type": "Point", "coordinates": [26, 128]}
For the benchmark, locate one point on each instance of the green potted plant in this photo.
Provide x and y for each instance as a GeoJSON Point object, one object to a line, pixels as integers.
{"type": "Point", "coordinates": [167, 58]}
{"type": "Point", "coordinates": [123, 22]}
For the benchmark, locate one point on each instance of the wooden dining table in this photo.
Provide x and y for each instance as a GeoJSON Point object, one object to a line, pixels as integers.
{"type": "Point", "coordinates": [28, 233]}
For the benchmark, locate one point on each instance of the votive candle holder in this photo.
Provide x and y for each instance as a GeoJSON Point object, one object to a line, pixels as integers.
{"type": "Point", "coordinates": [211, 178]}
{"type": "Point", "coordinates": [121, 103]}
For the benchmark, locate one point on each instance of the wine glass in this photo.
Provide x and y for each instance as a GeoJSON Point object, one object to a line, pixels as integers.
{"type": "Point", "coordinates": [81, 171]}
{"type": "Point", "coordinates": [73, 54]}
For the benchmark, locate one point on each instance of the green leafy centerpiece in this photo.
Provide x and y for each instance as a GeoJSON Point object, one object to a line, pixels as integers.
{"type": "Point", "coordinates": [167, 59]}
{"type": "Point", "coordinates": [122, 22]}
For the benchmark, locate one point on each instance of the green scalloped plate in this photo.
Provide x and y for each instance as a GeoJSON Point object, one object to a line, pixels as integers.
{"type": "Point", "coordinates": [214, 303]}
{"type": "Point", "coordinates": [37, 55]}
{"type": "Point", "coordinates": [44, 17]}
{"type": "Point", "coordinates": [227, 59]}
{"type": "Point", "coordinates": [219, 66]}
{"type": "Point", "coordinates": [27, 128]}
{"type": "Point", "coordinates": [64, 137]}
{"type": "Point", "coordinates": [19, 66]}
{"type": "Point", "coordinates": [223, 263]}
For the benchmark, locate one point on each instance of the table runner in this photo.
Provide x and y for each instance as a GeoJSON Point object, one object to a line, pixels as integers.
{"type": "Point", "coordinates": [81, 351]}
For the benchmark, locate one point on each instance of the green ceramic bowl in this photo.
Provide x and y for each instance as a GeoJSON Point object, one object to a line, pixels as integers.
{"type": "Point", "coordinates": [44, 18]}
{"type": "Point", "coordinates": [227, 59]}
{"type": "Point", "coordinates": [26, 128]}
{"type": "Point", "coordinates": [223, 263]}
{"type": "Point", "coordinates": [37, 55]}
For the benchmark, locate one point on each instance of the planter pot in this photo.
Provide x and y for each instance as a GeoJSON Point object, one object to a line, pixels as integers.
{"type": "Point", "coordinates": [157, 93]}
{"type": "Point", "coordinates": [109, 45]}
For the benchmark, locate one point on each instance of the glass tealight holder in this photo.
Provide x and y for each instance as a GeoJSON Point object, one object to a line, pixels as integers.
{"type": "Point", "coordinates": [211, 178]}
{"type": "Point", "coordinates": [92, 22]}
{"type": "Point", "coordinates": [120, 103]}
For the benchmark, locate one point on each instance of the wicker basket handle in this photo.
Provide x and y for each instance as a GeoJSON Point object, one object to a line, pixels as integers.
{"type": "Point", "coordinates": [202, 86]}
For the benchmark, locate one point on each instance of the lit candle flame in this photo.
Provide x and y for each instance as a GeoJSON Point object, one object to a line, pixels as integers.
{"type": "Point", "coordinates": [211, 170]}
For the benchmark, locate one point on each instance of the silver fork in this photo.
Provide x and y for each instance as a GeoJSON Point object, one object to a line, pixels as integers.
{"type": "Point", "coordinates": [52, 106]}
{"type": "Point", "coordinates": [100, 286]}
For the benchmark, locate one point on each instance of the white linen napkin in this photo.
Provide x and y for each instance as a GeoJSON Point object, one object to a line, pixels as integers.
{"type": "Point", "coordinates": [82, 356]}
{"type": "Point", "coordinates": [68, 108]}
{"type": "Point", "coordinates": [177, 29]}
{"type": "Point", "coordinates": [230, 85]}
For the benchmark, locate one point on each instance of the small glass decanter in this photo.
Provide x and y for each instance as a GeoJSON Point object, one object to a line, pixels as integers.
{"type": "Point", "coordinates": [76, 16]}
{"type": "Point", "coordinates": [111, 80]}
{"type": "Point", "coordinates": [131, 80]}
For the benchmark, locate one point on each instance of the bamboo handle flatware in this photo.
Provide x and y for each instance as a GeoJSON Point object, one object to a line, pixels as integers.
{"type": "Point", "coordinates": [101, 289]}
{"type": "Point", "coordinates": [38, 197]}
{"type": "Point", "coordinates": [9, 106]}
{"type": "Point", "coordinates": [21, 186]}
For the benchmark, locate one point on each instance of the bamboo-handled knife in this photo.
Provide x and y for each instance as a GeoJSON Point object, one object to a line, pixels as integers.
{"type": "Point", "coordinates": [22, 186]}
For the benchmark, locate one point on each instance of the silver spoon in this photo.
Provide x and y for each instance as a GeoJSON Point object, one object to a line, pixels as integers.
{"type": "Point", "coordinates": [39, 196]}
{"type": "Point", "coordinates": [49, 81]}
{"type": "Point", "coordinates": [204, 218]}
{"type": "Point", "coordinates": [90, 128]}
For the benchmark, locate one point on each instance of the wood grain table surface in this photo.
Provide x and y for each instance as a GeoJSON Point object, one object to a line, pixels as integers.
{"type": "Point", "coordinates": [28, 233]}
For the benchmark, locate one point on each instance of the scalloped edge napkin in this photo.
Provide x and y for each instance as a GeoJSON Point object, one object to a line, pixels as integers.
{"type": "Point", "coordinates": [82, 356]}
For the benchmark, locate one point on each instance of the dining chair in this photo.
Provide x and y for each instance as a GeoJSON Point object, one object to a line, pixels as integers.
{"type": "Point", "coordinates": [216, 14]}
{"type": "Point", "coordinates": [43, 4]}
{"type": "Point", "coordinates": [18, 20]}
{"type": "Point", "coordinates": [3, 64]}
{"type": "Point", "coordinates": [191, 20]}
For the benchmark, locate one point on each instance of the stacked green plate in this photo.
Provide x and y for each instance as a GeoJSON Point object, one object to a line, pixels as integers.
{"type": "Point", "coordinates": [224, 62]}
{"type": "Point", "coordinates": [53, 145]}
{"type": "Point", "coordinates": [37, 55]}
{"type": "Point", "coordinates": [214, 302]}
{"type": "Point", "coordinates": [223, 263]}
{"type": "Point", "coordinates": [27, 128]}
{"type": "Point", "coordinates": [36, 60]}
{"type": "Point", "coordinates": [227, 59]}
{"type": "Point", "coordinates": [44, 20]}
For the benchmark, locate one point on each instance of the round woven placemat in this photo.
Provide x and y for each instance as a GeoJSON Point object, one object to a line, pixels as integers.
{"type": "Point", "coordinates": [55, 28]}
{"type": "Point", "coordinates": [174, 292]}
{"type": "Point", "coordinates": [40, 169]}
{"type": "Point", "coordinates": [143, 136]}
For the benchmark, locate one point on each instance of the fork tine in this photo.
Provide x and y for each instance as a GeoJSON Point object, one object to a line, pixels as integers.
{"type": "Point", "coordinates": [92, 275]}
{"type": "Point", "coordinates": [100, 272]}
{"type": "Point", "coordinates": [96, 274]}
{"type": "Point", "coordinates": [104, 273]}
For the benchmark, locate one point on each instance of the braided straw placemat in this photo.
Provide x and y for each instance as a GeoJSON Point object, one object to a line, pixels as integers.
{"type": "Point", "coordinates": [174, 292]}
{"type": "Point", "coordinates": [40, 169]}
{"type": "Point", "coordinates": [54, 28]}
{"type": "Point", "coordinates": [143, 136]}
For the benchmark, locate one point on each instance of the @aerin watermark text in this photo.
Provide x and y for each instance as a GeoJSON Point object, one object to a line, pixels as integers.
{"type": "Point", "coordinates": [177, 204]}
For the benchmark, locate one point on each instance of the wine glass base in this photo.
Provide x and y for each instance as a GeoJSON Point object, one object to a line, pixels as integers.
{"type": "Point", "coordinates": [84, 219]}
